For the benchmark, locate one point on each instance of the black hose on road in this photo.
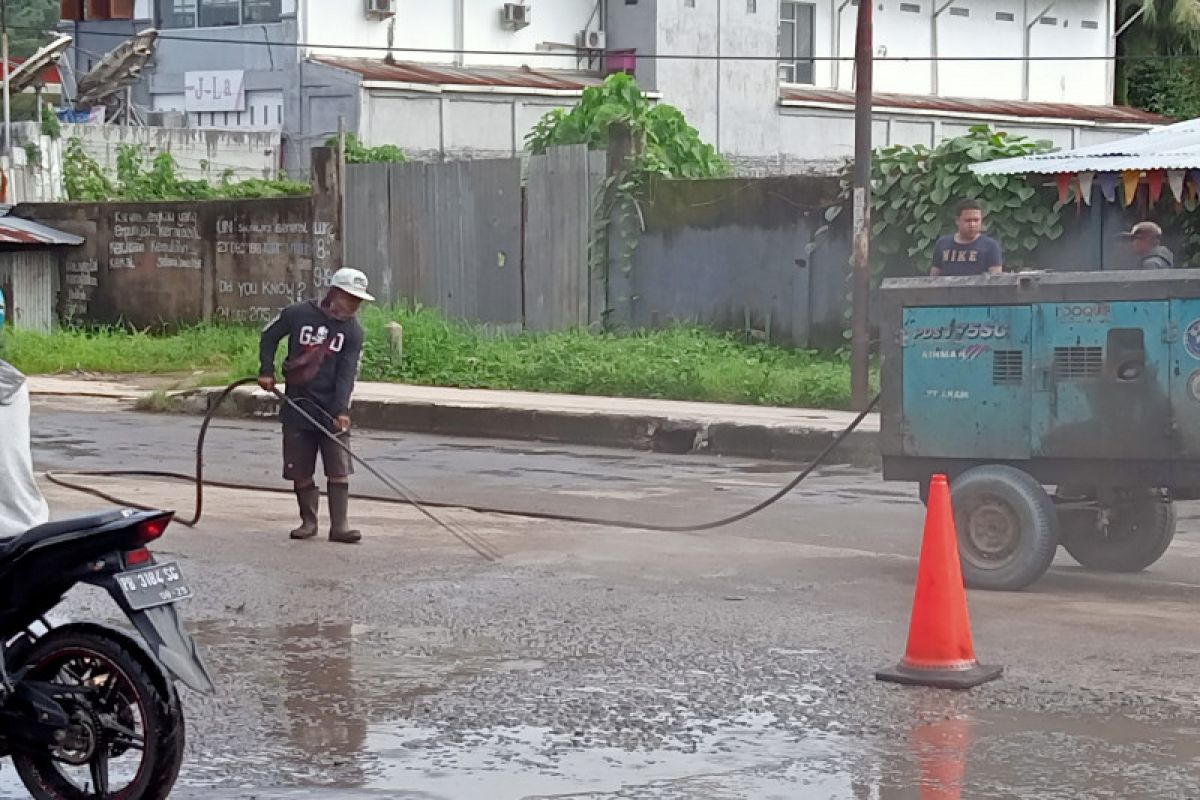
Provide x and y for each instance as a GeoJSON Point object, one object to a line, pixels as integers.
{"type": "Point", "coordinates": [408, 497]}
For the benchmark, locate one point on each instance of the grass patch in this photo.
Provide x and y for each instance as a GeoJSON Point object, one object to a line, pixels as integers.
{"type": "Point", "coordinates": [678, 363]}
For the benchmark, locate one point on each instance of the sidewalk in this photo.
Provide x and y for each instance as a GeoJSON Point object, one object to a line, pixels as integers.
{"type": "Point", "coordinates": [791, 434]}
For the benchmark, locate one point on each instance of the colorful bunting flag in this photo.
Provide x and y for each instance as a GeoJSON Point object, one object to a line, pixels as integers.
{"type": "Point", "coordinates": [1085, 186]}
{"type": "Point", "coordinates": [1154, 179]}
{"type": "Point", "coordinates": [1063, 182]}
{"type": "Point", "coordinates": [1108, 186]}
{"type": "Point", "coordinates": [1129, 182]}
{"type": "Point", "coordinates": [1175, 180]}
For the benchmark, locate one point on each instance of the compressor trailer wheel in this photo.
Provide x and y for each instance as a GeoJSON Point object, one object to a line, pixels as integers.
{"type": "Point", "coordinates": [1125, 531]}
{"type": "Point", "coordinates": [1007, 527]}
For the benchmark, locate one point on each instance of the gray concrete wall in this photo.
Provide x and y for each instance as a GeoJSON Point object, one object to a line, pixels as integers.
{"type": "Point", "coordinates": [734, 254]}
{"type": "Point", "coordinates": [165, 264]}
{"type": "Point", "coordinates": [452, 127]}
{"type": "Point", "coordinates": [312, 108]}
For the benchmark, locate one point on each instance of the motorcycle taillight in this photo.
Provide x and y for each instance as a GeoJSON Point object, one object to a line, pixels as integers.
{"type": "Point", "coordinates": [151, 529]}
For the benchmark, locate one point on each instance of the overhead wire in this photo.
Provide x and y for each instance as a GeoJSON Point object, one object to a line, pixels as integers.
{"type": "Point", "coordinates": [566, 52]}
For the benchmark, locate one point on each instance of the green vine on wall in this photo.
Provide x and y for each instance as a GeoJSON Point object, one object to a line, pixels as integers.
{"type": "Point", "coordinates": [135, 180]}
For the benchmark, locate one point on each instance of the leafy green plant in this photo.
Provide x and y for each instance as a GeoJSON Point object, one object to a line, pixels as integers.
{"type": "Point", "coordinates": [33, 153]}
{"type": "Point", "coordinates": [85, 181]}
{"type": "Point", "coordinates": [83, 178]}
{"type": "Point", "coordinates": [50, 125]}
{"type": "Point", "coordinates": [915, 190]}
{"type": "Point", "coordinates": [670, 147]}
{"type": "Point", "coordinates": [359, 153]}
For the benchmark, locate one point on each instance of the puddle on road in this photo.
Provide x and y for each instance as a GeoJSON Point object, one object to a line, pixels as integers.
{"type": "Point", "coordinates": [537, 763]}
{"type": "Point", "coordinates": [327, 711]}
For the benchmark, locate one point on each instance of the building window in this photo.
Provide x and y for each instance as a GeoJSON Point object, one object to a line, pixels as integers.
{"type": "Point", "coordinates": [220, 13]}
{"type": "Point", "coordinates": [176, 13]}
{"type": "Point", "coordinates": [217, 13]}
{"type": "Point", "coordinates": [1005, 16]}
{"type": "Point", "coordinates": [259, 11]}
{"type": "Point", "coordinates": [751, 6]}
{"type": "Point", "coordinates": [795, 42]}
{"type": "Point", "coordinates": [1091, 25]}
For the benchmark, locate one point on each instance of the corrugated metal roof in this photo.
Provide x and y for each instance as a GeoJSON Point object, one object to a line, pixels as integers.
{"type": "Point", "coordinates": [977, 106]}
{"type": "Point", "coordinates": [1173, 147]}
{"type": "Point", "coordinates": [14, 230]}
{"type": "Point", "coordinates": [446, 75]}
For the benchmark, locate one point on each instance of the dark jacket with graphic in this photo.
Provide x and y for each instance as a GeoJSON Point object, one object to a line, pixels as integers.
{"type": "Point", "coordinates": [322, 361]}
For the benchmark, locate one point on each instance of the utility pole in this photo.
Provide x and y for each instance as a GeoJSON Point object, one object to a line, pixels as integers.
{"type": "Point", "coordinates": [8, 143]}
{"type": "Point", "coordinates": [860, 364]}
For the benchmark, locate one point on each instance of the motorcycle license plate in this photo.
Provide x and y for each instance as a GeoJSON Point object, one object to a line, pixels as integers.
{"type": "Point", "coordinates": [153, 586]}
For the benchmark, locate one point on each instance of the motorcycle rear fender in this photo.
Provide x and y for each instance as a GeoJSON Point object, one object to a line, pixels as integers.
{"type": "Point", "coordinates": [165, 638]}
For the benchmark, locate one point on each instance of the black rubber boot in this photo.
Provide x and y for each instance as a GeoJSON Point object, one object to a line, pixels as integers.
{"type": "Point", "coordinates": [310, 503]}
{"type": "Point", "coordinates": [339, 506]}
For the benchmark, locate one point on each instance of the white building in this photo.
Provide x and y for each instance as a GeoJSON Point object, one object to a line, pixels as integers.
{"type": "Point", "coordinates": [393, 71]}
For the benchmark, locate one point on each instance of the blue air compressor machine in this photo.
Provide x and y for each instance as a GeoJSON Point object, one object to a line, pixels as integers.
{"type": "Point", "coordinates": [1063, 407]}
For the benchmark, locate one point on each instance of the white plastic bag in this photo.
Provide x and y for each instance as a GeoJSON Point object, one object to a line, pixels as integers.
{"type": "Point", "coordinates": [21, 503]}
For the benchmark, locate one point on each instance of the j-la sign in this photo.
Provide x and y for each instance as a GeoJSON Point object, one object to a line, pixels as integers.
{"type": "Point", "coordinates": [214, 90]}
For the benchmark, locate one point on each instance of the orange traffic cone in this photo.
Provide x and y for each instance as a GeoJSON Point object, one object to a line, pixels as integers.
{"type": "Point", "coordinates": [940, 652]}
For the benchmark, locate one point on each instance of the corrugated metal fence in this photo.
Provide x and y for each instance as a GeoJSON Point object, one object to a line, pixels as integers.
{"type": "Point", "coordinates": [561, 288]}
{"type": "Point", "coordinates": [457, 237]}
{"type": "Point", "coordinates": [464, 237]}
{"type": "Point", "coordinates": [444, 235]}
{"type": "Point", "coordinates": [29, 281]}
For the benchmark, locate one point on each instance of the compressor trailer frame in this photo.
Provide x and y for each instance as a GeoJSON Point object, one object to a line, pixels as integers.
{"type": "Point", "coordinates": [1087, 382]}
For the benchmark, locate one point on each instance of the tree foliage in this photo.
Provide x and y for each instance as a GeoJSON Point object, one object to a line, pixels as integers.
{"type": "Point", "coordinates": [1167, 87]}
{"type": "Point", "coordinates": [29, 21]}
{"type": "Point", "coordinates": [915, 190]}
{"type": "Point", "coordinates": [1157, 28]}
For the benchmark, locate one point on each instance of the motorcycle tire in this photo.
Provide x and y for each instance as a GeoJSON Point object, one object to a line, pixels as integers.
{"type": "Point", "coordinates": [152, 694]}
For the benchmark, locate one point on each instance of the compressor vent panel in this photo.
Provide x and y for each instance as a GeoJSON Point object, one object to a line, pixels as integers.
{"type": "Point", "coordinates": [1078, 363]}
{"type": "Point", "coordinates": [1008, 367]}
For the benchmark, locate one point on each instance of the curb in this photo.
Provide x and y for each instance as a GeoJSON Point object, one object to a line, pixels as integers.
{"type": "Point", "coordinates": [625, 431]}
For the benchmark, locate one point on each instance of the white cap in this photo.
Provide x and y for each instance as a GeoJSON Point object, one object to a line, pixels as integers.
{"type": "Point", "coordinates": [352, 282]}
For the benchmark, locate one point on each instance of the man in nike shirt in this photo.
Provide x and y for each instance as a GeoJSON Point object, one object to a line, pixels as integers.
{"type": "Point", "coordinates": [967, 251]}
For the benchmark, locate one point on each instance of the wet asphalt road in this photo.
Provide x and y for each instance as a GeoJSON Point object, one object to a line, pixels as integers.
{"type": "Point", "coordinates": [598, 662]}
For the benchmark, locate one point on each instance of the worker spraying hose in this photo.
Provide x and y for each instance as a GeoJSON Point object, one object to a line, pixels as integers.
{"type": "Point", "coordinates": [324, 350]}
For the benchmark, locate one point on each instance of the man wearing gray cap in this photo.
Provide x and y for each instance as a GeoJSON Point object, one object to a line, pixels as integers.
{"type": "Point", "coordinates": [324, 349]}
{"type": "Point", "coordinates": [1145, 239]}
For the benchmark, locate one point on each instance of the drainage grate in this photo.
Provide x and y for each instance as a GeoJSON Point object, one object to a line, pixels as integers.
{"type": "Point", "coordinates": [1077, 363]}
{"type": "Point", "coordinates": [1008, 367]}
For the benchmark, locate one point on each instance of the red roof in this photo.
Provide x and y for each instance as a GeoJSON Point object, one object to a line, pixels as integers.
{"type": "Point", "coordinates": [968, 107]}
{"type": "Point", "coordinates": [446, 75]}
{"type": "Point", "coordinates": [49, 74]}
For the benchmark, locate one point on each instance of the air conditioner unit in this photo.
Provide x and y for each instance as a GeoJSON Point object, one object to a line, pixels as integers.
{"type": "Point", "coordinates": [515, 16]}
{"type": "Point", "coordinates": [381, 9]}
{"type": "Point", "coordinates": [592, 40]}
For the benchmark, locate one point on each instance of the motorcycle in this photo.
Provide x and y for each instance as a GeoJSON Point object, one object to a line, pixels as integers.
{"type": "Point", "coordinates": [87, 710]}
